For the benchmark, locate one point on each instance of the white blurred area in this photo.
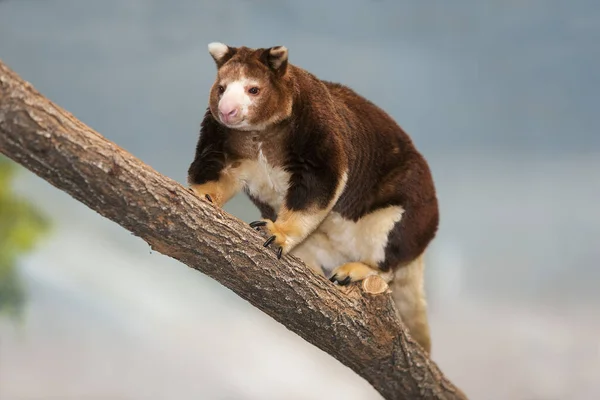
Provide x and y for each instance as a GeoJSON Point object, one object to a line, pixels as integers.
{"type": "Point", "coordinates": [109, 319]}
{"type": "Point", "coordinates": [498, 97]}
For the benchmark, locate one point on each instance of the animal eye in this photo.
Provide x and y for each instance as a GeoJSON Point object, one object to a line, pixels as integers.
{"type": "Point", "coordinates": [253, 90]}
{"type": "Point", "coordinates": [221, 89]}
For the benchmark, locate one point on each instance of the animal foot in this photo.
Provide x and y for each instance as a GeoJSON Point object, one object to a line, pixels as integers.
{"type": "Point", "coordinates": [351, 272]}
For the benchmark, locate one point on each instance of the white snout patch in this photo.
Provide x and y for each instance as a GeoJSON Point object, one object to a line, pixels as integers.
{"type": "Point", "coordinates": [236, 95]}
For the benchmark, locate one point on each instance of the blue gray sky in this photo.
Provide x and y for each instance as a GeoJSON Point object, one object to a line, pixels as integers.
{"type": "Point", "coordinates": [500, 96]}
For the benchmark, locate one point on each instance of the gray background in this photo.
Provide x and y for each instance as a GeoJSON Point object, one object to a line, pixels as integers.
{"type": "Point", "coordinates": [500, 96]}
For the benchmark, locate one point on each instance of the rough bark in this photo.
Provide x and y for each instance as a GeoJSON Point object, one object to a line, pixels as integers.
{"type": "Point", "coordinates": [359, 329]}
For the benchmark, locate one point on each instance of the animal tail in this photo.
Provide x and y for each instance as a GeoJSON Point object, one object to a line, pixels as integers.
{"type": "Point", "coordinates": [408, 293]}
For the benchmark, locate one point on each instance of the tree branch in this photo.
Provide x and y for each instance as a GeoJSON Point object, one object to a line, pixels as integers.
{"type": "Point", "coordinates": [357, 326]}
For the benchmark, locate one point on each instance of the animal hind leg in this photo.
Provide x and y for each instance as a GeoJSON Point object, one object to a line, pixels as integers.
{"type": "Point", "coordinates": [407, 292]}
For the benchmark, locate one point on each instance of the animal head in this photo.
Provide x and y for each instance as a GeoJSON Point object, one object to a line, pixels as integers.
{"type": "Point", "coordinates": [253, 89]}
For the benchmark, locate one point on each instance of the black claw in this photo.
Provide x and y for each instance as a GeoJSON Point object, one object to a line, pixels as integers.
{"type": "Point", "coordinates": [257, 224]}
{"type": "Point", "coordinates": [279, 252]}
{"type": "Point", "coordinates": [191, 190]}
{"type": "Point", "coordinates": [345, 281]}
{"type": "Point", "coordinates": [342, 282]}
{"type": "Point", "coordinates": [208, 197]}
{"type": "Point", "coordinates": [269, 241]}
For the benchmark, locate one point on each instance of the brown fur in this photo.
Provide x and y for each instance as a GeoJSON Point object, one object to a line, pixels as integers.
{"type": "Point", "coordinates": [314, 133]}
{"type": "Point", "coordinates": [275, 100]}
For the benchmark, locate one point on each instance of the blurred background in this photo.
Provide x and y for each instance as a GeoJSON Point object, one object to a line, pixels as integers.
{"type": "Point", "coordinates": [500, 96]}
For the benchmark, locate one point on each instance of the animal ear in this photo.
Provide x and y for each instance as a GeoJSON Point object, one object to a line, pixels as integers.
{"type": "Point", "coordinates": [221, 53]}
{"type": "Point", "coordinates": [276, 58]}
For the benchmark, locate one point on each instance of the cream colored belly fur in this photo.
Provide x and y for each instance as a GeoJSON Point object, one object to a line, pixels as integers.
{"type": "Point", "coordinates": [337, 240]}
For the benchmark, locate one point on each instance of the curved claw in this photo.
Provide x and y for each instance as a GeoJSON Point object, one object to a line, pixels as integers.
{"type": "Point", "coordinates": [208, 197]}
{"type": "Point", "coordinates": [279, 252]}
{"type": "Point", "coordinates": [342, 282]}
{"type": "Point", "coordinates": [269, 241]}
{"type": "Point", "coordinates": [345, 281]}
{"type": "Point", "coordinates": [256, 224]}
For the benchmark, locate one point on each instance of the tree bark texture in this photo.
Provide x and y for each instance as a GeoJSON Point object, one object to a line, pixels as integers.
{"type": "Point", "coordinates": [359, 329]}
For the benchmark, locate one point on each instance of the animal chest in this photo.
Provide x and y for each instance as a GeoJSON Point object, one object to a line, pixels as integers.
{"type": "Point", "coordinates": [264, 180]}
